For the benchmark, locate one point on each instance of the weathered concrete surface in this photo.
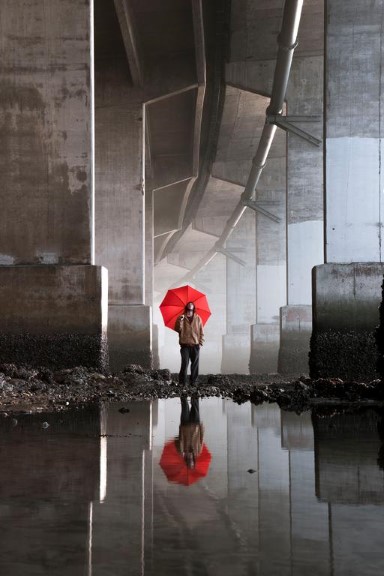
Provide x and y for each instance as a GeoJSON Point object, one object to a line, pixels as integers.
{"type": "Point", "coordinates": [265, 342]}
{"type": "Point", "coordinates": [129, 336]}
{"type": "Point", "coordinates": [54, 315]}
{"type": "Point", "coordinates": [240, 295]}
{"type": "Point", "coordinates": [345, 316]}
{"type": "Point", "coordinates": [45, 130]}
{"type": "Point", "coordinates": [354, 211]}
{"type": "Point", "coordinates": [120, 209]}
{"type": "Point", "coordinates": [295, 334]}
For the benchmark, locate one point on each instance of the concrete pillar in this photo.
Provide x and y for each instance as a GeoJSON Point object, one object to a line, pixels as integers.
{"type": "Point", "coordinates": [46, 231]}
{"type": "Point", "coordinates": [120, 219]}
{"type": "Point", "coordinates": [270, 265]}
{"type": "Point", "coordinates": [354, 208]}
{"type": "Point", "coordinates": [345, 312]}
{"type": "Point", "coordinates": [240, 294]}
{"type": "Point", "coordinates": [305, 230]}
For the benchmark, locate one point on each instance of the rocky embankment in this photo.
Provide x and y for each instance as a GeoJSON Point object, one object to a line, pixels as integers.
{"type": "Point", "coordinates": [32, 389]}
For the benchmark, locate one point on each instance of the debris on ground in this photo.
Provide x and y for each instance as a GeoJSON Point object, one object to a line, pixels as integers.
{"type": "Point", "coordinates": [33, 389]}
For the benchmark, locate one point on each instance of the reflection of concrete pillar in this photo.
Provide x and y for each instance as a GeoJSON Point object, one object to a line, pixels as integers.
{"type": "Point", "coordinates": [347, 451]}
{"type": "Point", "coordinates": [120, 243]}
{"type": "Point", "coordinates": [46, 231]}
{"type": "Point", "coordinates": [119, 522]}
{"type": "Point", "coordinates": [309, 518]}
{"type": "Point", "coordinates": [274, 489]}
{"type": "Point", "coordinates": [354, 208]}
{"type": "Point", "coordinates": [53, 471]}
{"type": "Point", "coordinates": [241, 305]}
{"type": "Point", "coordinates": [243, 487]}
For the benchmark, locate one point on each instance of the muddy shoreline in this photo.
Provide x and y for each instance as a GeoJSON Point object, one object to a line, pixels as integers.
{"type": "Point", "coordinates": [25, 389]}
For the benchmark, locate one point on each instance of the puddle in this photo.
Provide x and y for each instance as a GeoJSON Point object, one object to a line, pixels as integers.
{"type": "Point", "coordinates": [101, 491]}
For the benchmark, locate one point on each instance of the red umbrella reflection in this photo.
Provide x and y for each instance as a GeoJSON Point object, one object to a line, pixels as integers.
{"type": "Point", "coordinates": [176, 469]}
{"type": "Point", "coordinates": [175, 301]}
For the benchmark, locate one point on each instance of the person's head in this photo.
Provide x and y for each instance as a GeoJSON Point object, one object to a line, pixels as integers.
{"type": "Point", "coordinates": [190, 309]}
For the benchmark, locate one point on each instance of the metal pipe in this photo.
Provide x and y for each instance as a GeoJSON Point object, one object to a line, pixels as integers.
{"type": "Point", "coordinates": [287, 41]}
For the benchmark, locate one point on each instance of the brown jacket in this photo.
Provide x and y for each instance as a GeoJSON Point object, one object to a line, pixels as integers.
{"type": "Point", "coordinates": [190, 438]}
{"type": "Point", "coordinates": [190, 333]}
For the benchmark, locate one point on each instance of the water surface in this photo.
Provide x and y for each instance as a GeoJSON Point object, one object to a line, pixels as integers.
{"type": "Point", "coordinates": [88, 492]}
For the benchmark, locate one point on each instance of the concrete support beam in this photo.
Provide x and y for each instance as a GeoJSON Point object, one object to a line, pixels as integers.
{"type": "Point", "coordinates": [129, 335]}
{"type": "Point", "coordinates": [265, 341]}
{"type": "Point", "coordinates": [51, 297]}
{"type": "Point", "coordinates": [45, 130]}
{"type": "Point", "coordinates": [347, 290]}
{"type": "Point", "coordinates": [240, 296]}
{"type": "Point", "coordinates": [345, 316]}
{"type": "Point", "coordinates": [295, 335]}
{"type": "Point", "coordinates": [120, 195]}
{"type": "Point", "coordinates": [54, 316]}
{"type": "Point", "coordinates": [354, 128]}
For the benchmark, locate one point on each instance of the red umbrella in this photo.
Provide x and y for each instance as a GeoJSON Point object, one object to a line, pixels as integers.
{"type": "Point", "coordinates": [175, 301]}
{"type": "Point", "coordinates": [175, 468]}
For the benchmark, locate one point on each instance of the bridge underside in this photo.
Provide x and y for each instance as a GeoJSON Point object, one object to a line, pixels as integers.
{"type": "Point", "coordinates": [152, 143]}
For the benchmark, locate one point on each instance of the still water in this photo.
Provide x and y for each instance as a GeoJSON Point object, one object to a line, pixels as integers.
{"type": "Point", "coordinates": [100, 492]}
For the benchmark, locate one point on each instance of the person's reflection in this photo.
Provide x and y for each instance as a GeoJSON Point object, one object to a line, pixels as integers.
{"type": "Point", "coordinates": [380, 430]}
{"type": "Point", "coordinates": [191, 431]}
{"type": "Point", "coordinates": [186, 459]}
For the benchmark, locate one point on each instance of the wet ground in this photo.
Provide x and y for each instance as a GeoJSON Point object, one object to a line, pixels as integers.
{"type": "Point", "coordinates": [33, 389]}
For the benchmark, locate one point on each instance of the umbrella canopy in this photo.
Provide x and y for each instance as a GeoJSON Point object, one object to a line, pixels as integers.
{"type": "Point", "coordinates": [175, 301]}
{"type": "Point", "coordinates": [175, 468]}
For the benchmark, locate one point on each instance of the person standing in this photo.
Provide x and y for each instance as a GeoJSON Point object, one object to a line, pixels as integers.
{"type": "Point", "coordinates": [191, 336]}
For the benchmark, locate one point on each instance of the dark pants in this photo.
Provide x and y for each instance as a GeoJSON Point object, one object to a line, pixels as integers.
{"type": "Point", "coordinates": [190, 415]}
{"type": "Point", "coordinates": [189, 353]}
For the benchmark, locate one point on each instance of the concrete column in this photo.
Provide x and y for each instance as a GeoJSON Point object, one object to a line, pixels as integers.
{"type": "Point", "coordinates": [354, 208]}
{"type": "Point", "coordinates": [120, 219]}
{"type": "Point", "coordinates": [240, 293]}
{"type": "Point", "coordinates": [345, 312]}
{"type": "Point", "coordinates": [46, 231]}
{"type": "Point", "coordinates": [305, 234]}
{"type": "Point", "coordinates": [270, 264]}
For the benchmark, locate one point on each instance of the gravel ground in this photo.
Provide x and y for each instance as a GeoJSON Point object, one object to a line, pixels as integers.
{"type": "Point", "coordinates": [24, 389]}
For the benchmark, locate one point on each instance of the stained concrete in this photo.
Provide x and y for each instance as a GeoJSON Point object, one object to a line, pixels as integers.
{"type": "Point", "coordinates": [345, 317]}
{"type": "Point", "coordinates": [55, 316]}
{"type": "Point", "coordinates": [45, 160]}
